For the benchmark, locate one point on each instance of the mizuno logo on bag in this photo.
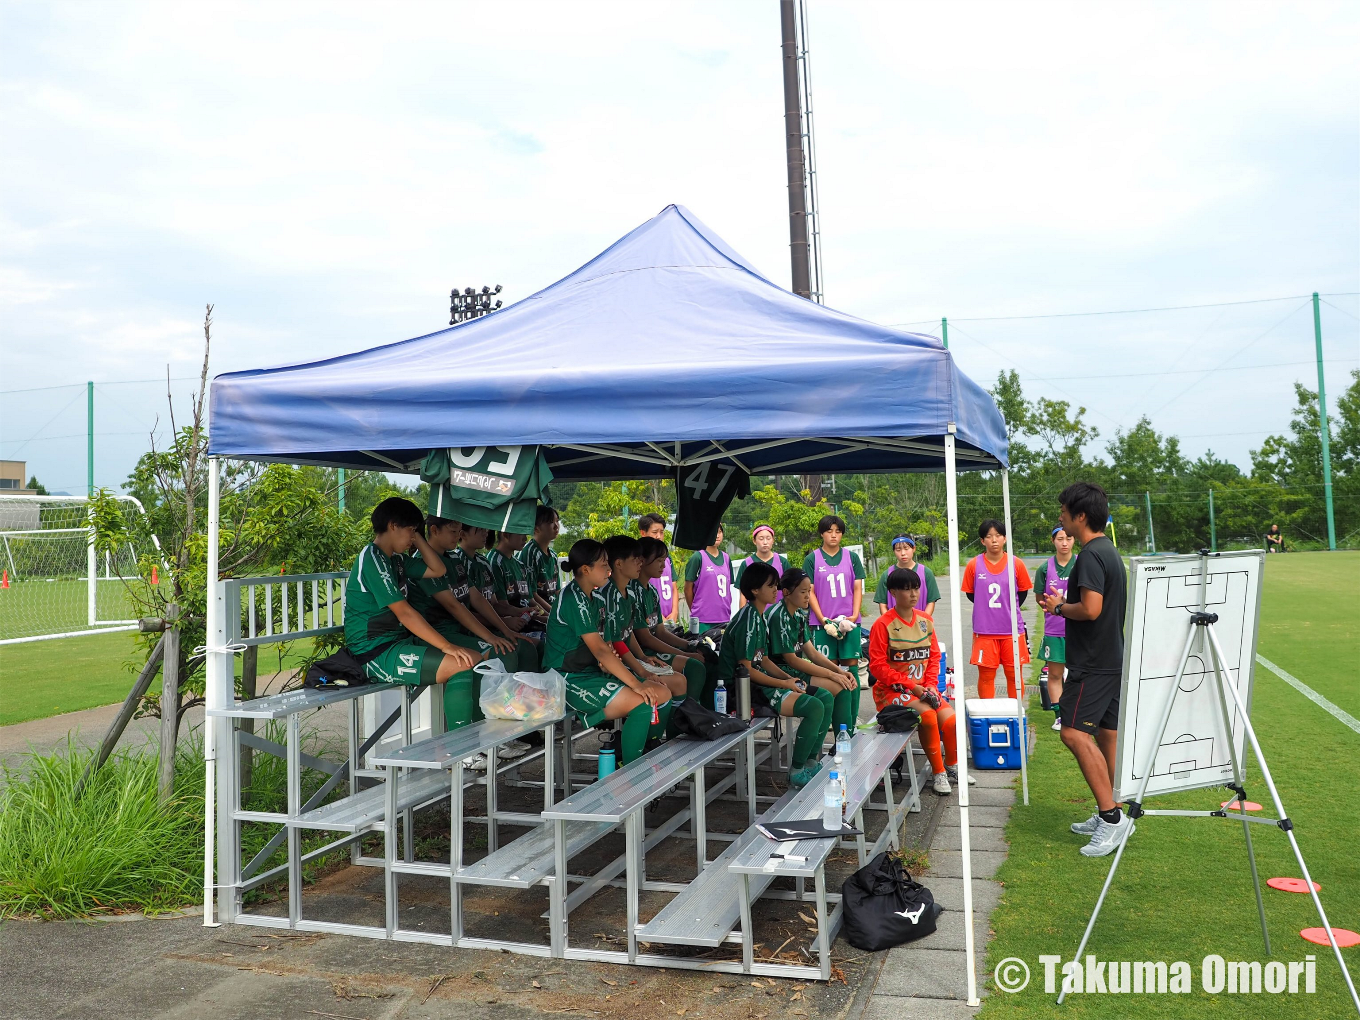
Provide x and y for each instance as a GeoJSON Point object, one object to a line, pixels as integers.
{"type": "Point", "coordinates": [914, 916]}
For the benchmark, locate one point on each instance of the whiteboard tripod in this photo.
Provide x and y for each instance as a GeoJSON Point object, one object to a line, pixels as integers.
{"type": "Point", "coordinates": [1202, 635]}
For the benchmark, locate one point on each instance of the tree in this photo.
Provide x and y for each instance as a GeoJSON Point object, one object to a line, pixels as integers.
{"type": "Point", "coordinates": [38, 488]}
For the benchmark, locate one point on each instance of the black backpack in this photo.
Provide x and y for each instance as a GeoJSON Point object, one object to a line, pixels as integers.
{"type": "Point", "coordinates": [885, 907]}
{"type": "Point", "coordinates": [694, 720]}
{"type": "Point", "coordinates": [343, 669]}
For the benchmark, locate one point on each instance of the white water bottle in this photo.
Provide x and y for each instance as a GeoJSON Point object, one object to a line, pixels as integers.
{"type": "Point", "coordinates": [843, 749]}
{"type": "Point", "coordinates": [720, 698]}
{"type": "Point", "coordinates": [831, 804]}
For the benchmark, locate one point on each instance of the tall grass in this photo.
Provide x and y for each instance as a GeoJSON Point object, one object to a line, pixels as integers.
{"type": "Point", "coordinates": [117, 847]}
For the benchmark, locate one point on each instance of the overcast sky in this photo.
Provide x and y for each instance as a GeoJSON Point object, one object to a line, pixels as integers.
{"type": "Point", "coordinates": [325, 173]}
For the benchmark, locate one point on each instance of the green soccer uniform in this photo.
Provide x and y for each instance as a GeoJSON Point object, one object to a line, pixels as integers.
{"type": "Point", "coordinates": [618, 613]}
{"type": "Point", "coordinates": [512, 584]}
{"type": "Point", "coordinates": [932, 586]}
{"type": "Point", "coordinates": [574, 615]}
{"type": "Point", "coordinates": [788, 635]}
{"type": "Point", "coordinates": [748, 637]}
{"type": "Point", "coordinates": [541, 569]}
{"type": "Point", "coordinates": [646, 604]}
{"type": "Point", "coordinates": [390, 653]}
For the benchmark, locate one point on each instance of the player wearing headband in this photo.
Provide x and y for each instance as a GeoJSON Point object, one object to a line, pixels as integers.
{"type": "Point", "coordinates": [904, 663]}
{"type": "Point", "coordinates": [1051, 578]}
{"type": "Point", "coordinates": [763, 537]}
{"type": "Point", "coordinates": [904, 549]}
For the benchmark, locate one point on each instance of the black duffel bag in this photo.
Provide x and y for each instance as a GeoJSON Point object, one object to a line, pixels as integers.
{"type": "Point", "coordinates": [885, 907]}
{"type": "Point", "coordinates": [343, 669]}
{"type": "Point", "coordinates": [694, 720]}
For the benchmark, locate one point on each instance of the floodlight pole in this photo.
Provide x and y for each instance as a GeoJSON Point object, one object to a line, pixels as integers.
{"type": "Point", "coordinates": [944, 332]}
{"type": "Point", "coordinates": [215, 694]}
{"type": "Point", "coordinates": [951, 482]}
{"type": "Point", "coordinates": [92, 558]}
{"type": "Point", "coordinates": [1152, 536]}
{"type": "Point", "coordinates": [1213, 530]}
{"type": "Point", "coordinates": [1324, 428]}
{"type": "Point", "coordinates": [793, 143]}
{"type": "Point", "coordinates": [342, 489]}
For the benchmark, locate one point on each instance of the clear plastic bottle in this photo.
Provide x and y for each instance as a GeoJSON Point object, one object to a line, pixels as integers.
{"type": "Point", "coordinates": [720, 698]}
{"type": "Point", "coordinates": [831, 803]}
{"type": "Point", "coordinates": [843, 749]}
{"type": "Point", "coordinates": [841, 775]}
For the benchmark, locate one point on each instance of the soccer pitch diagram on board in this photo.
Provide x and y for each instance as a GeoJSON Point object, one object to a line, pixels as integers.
{"type": "Point", "coordinates": [53, 582]}
{"type": "Point", "coordinates": [1193, 752]}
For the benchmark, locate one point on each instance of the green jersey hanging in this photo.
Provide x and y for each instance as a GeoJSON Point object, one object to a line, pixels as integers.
{"type": "Point", "coordinates": [494, 487]}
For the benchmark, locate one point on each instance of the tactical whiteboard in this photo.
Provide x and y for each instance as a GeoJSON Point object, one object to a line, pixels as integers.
{"type": "Point", "coordinates": [1194, 751]}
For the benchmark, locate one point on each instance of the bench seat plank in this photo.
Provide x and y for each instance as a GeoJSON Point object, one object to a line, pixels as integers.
{"type": "Point", "coordinates": [528, 860]}
{"type": "Point", "coordinates": [365, 809]}
{"type": "Point", "coordinates": [447, 749]}
{"type": "Point", "coordinates": [280, 706]}
{"type": "Point", "coordinates": [874, 753]}
{"type": "Point", "coordinates": [643, 780]}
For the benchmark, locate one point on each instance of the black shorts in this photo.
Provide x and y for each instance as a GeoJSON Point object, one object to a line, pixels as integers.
{"type": "Point", "coordinates": [1090, 701]}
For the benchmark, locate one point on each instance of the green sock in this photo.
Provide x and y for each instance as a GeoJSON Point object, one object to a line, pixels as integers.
{"type": "Point", "coordinates": [695, 678]}
{"type": "Point", "coordinates": [843, 714]}
{"type": "Point", "coordinates": [527, 653]}
{"type": "Point", "coordinates": [663, 719]}
{"type": "Point", "coordinates": [811, 729]}
{"type": "Point", "coordinates": [633, 736]}
{"type": "Point", "coordinates": [672, 717]}
{"type": "Point", "coordinates": [462, 694]}
{"type": "Point", "coordinates": [827, 700]}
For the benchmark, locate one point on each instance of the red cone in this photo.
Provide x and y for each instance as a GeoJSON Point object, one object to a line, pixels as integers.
{"type": "Point", "coordinates": [154, 579]}
{"type": "Point", "coordinates": [4, 580]}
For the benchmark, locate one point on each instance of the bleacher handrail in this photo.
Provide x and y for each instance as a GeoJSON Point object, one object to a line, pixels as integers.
{"type": "Point", "coordinates": [244, 614]}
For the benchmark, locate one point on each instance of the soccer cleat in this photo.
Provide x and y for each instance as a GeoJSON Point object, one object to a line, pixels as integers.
{"type": "Point", "coordinates": [1057, 726]}
{"type": "Point", "coordinates": [952, 771]}
{"type": "Point", "coordinates": [1108, 836]}
{"type": "Point", "coordinates": [940, 784]}
{"type": "Point", "coordinates": [802, 777]}
{"type": "Point", "coordinates": [512, 749]}
{"type": "Point", "coordinates": [477, 763]}
{"type": "Point", "coordinates": [1088, 827]}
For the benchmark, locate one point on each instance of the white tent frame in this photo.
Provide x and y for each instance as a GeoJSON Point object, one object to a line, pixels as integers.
{"type": "Point", "coordinates": [220, 693]}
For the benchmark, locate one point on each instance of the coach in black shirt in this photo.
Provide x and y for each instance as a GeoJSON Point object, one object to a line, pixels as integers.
{"type": "Point", "coordinates": [1094, 611]}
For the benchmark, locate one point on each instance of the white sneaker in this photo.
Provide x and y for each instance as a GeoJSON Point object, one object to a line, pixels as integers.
{"type": "Point", "coordinates": [940, 784]}
{"type": "Point", "coordinates": [1108, 836]}
{"type": "Point", "coordinates": [512, 749]}
{"type": "Point", "coordinates": [1088, 827]}
{"type": "Point", "coordinates": [477, 763]}
{"type": "Point", "coordinates": [1057, 726]}
{"type": "Point", "coordinates": [952, 771]}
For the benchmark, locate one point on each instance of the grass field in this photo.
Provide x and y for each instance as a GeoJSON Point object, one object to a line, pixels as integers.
{"type": "Point", "coordinates": [44, 678]}
{"type": "Point", "coordinates": [1183, 889]}
{"type": "Point", "coordinates": [35, 607]}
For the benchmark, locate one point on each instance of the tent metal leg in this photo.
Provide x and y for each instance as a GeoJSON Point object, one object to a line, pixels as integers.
{"type": "Point", "coordinates": [1021, 703]}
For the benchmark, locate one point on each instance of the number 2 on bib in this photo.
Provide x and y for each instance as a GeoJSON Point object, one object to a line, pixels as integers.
{"type": "Point", "coordinates": [994, 595]}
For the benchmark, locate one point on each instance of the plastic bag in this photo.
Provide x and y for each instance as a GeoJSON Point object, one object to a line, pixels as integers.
{"type": "Point", "coordinates": [531, 697]}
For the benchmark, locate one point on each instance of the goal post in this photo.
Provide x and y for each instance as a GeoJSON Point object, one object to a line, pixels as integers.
{"type": "Point", "coordinates": [54, 581]}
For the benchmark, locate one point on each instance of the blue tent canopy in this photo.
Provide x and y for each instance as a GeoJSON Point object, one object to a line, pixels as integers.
{"type": "Point", "coordinates": [667, 348]}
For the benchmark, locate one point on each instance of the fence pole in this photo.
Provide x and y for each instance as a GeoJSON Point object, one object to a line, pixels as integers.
{"type": "Point", "coordinates": [944, 331]}
{"type": "Point", "coordinates": [92, 560]}
{"type": "Point", "coordinates": [169, 703]}
{"type": "Point", "coordinates": [1213, 533]}
{"type": "Point", "coordinates": [1152, 537]}
{"type": "Point", "coordinates": [1324, 429]}
{"type": "Point", "coordinates": [342, 490]}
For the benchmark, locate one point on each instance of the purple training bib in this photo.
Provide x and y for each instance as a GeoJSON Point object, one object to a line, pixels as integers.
{"type": "Point", "coordinates": [712, 590]}
{"type": "Point", "coordinates": [665, 589]}
{"type": "Point", "coordinates": [777, 562]}
{"type": "Point", "coordinates": [991, 613]}
{"type": "Point", "coordinates": [921, 601]}
{"type": "Point", "coordinates": [834, 586]}
{"type": "Point", "coordinates": [1055, 626]}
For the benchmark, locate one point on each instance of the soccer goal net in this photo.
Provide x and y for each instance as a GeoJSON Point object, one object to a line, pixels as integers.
{"type": "Point", "coordinates": [53, 582]}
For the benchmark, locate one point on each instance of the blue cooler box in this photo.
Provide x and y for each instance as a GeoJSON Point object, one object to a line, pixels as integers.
{"type": "Point", "coordinates": [994, 733]}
